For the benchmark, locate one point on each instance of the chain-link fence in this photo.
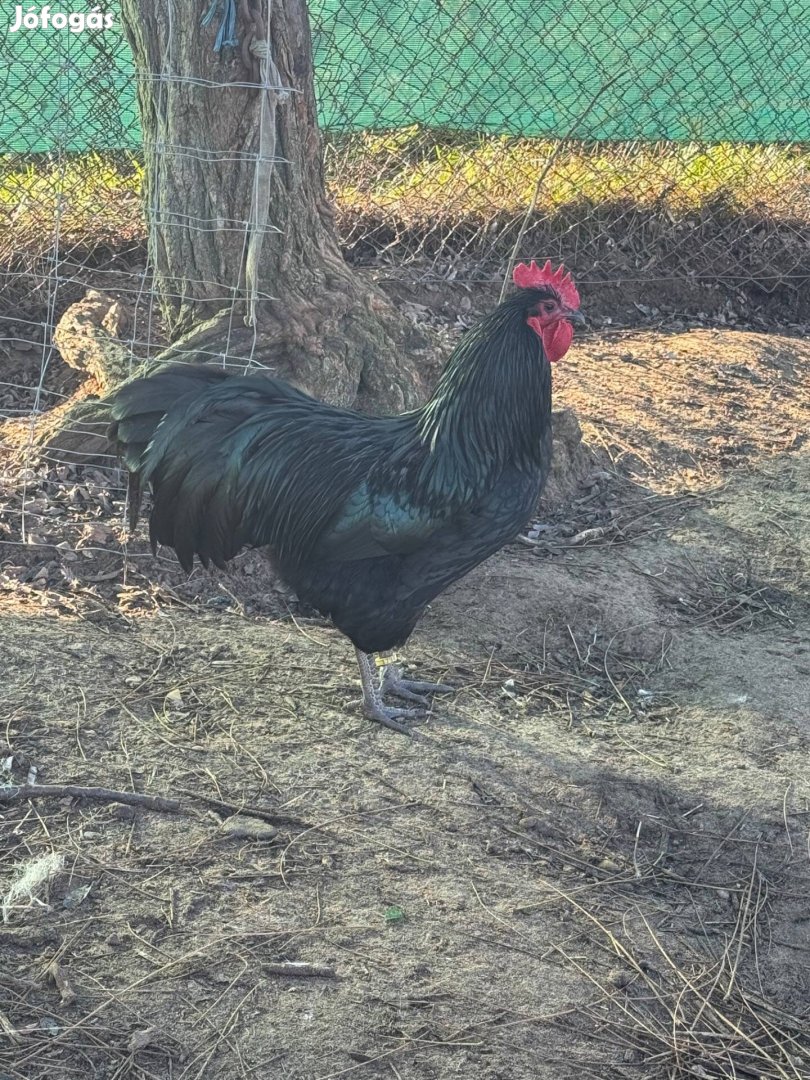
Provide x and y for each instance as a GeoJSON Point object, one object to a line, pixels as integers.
{"type": "Point", "coordinates": [666, 140]}
{"type": "Point", "coordinates": [659, 140]}
{"type": "Point", "coordinates": [660, 146]}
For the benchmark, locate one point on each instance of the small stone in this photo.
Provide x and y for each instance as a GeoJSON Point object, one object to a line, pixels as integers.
{"type": "Point", "coordinates": [140, 1039]}
{"type": "Point", "coordinates": [242, 827]}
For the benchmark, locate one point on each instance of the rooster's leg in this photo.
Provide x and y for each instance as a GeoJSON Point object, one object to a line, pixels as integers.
{"type": "Point", "coordinates": [373, 699]}
{"type": "Point", "coordinates": [392, 682]}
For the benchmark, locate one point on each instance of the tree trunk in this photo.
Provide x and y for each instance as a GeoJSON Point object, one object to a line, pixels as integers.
{"type": "Point", "coordinates": [237, 211]}
{"type": "Point", "coordinates": [207, 128]}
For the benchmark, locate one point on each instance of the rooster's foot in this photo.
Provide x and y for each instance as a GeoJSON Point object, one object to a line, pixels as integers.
{"type": "Point", "coordinates": [374, 689]}
{"type": "Point", "coordinates": [389, 717]}
{"type": "Point", "coordinates": [392, 682]}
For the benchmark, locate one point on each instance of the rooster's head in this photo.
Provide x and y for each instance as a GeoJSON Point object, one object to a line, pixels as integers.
{"type": "Point", "coordinates": [554, 306]}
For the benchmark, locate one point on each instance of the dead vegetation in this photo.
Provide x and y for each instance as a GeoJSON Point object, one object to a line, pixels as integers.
{"type": "Point", "coordinates": [575, 869]}
{"type": "Point", "coordinates": [591, 861]}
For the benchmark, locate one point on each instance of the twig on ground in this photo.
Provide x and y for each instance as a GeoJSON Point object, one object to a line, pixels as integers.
{"type": "Point", "coordinates": [67, 994]}
{"type": "Point", "coordinates": [134, 798]}
{"type": "Point", "coordinates": [272, 816]}
{"type": "Point", "coordinates": [300, 968]}
{"type": "Point", "coordinates": [96, 794]}
{"type": "Point", "coordinates": [21, 985]}
{"type": "Point", "coordinates": [9, 1030]}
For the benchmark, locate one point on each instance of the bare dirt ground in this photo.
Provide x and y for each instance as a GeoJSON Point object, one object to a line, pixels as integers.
{"type": "Point", "coordinates": [593, 860]}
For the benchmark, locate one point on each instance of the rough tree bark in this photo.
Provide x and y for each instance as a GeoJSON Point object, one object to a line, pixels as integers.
{"type": "Point", "coordinates": [318, 322]}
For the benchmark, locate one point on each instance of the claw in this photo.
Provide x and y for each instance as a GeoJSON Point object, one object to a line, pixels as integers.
{"type": "Point", "coordinates": [401, 689]}
{"type": "Point", "coordinates": [426, 687]}
{"type": "Point", "coordinates": [388, 716]}
{"type": "Point", "coordinates": [391, 681]}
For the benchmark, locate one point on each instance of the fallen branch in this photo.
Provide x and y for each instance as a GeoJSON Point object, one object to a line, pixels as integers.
{"type": "Point", "coordinates": [530, 542]}
{"type": "Point", "coordinates": [134, 798]}
{"type": "Point", "coordinates": [248, 810]}
{"type": "Point", "coordinates": [96, 794]}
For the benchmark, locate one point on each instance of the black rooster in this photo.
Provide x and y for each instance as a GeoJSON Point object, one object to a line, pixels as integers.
{"type": "Point", "coordinates": [366, 518]}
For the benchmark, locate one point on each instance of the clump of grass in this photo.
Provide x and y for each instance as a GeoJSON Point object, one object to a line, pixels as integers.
{"type": "Point", "coordinates": [34, 877]}
{"type": "Point", "coordinates": [690, 1017]}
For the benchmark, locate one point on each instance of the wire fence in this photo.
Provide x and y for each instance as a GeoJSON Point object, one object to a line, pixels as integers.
{"type": "Point", "coordinates": [661, 145]}
{"type": "Point", "coordinates": [671, 137]}
{"type": "Point", "coordinates": [668, 135]}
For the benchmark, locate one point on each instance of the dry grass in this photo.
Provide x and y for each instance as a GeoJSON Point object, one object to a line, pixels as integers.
{"type": "Point", "coordinates": [420, 175]}
{"type": "Point", "coordinates": [590, 861]}
{"type": "Point", "coordinates": [725, 210]}
{"type": "Point", "coordinates": [620, 210]}
{"type": "Point", "coordinates": [689, 1017]}
{"type": "Point", "coordinates": [561, 877]}
{"type": "Point", "coordinates": [90, 202]}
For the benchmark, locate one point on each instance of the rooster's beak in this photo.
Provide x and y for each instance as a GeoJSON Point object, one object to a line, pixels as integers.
{"type": "Point", "coordinates": [576, 317]}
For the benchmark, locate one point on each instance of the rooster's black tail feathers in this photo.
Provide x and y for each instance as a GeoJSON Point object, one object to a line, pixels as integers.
{"type": "Point", "coordinates": [239, 461]}
{"type": "Point", "coordinates": [141, 404]}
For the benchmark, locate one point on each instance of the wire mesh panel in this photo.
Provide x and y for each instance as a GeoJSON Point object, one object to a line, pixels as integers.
{"type": "Point", "coordinates": [661, 144]}
{"type": "Point", "coordinates": [664, 139]}
{"type": "Point", "coordinates": [69, 208]}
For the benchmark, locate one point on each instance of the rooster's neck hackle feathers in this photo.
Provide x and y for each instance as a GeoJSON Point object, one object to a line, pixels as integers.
{"type": "Point", "coordinates": [492, 405]}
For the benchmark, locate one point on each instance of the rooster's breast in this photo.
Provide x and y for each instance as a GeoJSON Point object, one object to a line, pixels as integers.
{"type": "Point", "coordinates": [376, 602]}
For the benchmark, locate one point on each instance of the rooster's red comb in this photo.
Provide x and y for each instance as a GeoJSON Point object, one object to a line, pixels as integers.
{"type": "Point", "coordinates": [533, 277]}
